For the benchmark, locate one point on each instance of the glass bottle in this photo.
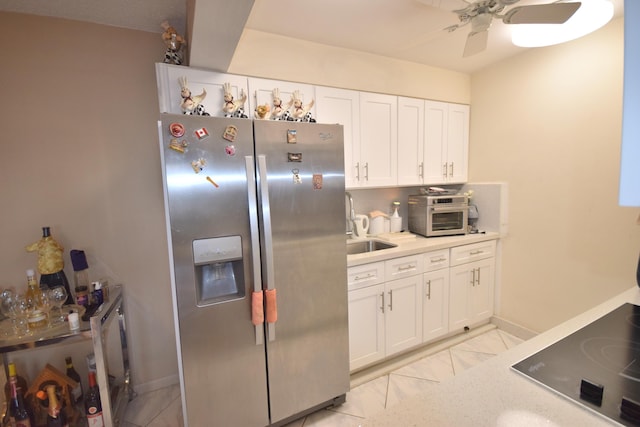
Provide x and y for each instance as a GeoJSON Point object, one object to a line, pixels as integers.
{"type": "Point", "coordinates": [36, 317]}
{"type": "Point", "coordinates": [92, 403]}
{"type": "Point", "coordinates": [19, 416]}
{"type": "Point", "coordinates": [80, 274]}
{"type": "Point", "coordinates": [77, 392]}
{"type": "Point", "coordinates": [14, 378]}
{"type": "Point", "coordinates": [51, 265]}
{"type": "Point", "coordinates": [55, 415]}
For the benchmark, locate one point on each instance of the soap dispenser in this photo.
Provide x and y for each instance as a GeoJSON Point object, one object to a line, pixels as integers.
{"type": "Point", "coordinates": [396, 219]}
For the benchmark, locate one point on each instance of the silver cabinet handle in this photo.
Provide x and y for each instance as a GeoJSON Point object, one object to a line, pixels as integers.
{"type": "Point", "coordinates": [434, 260]}
{"type": "Point", "coordinates": [358, 171]}
{"type": "Point", "coordinates": [421, 170]}
{"type": "Point", "coordinates": [408, 267]}
{"type": "Point", "coordinates": [368, 276]}
{"type": "Point", "coordinates": [254, 234]}
{"type": "Point", "coordinates": [429, 289]}
{"type": "Point", "coordinates": [382, 306]}
{"type": "Point", "coordinates": [444, 170]}
{"type": "Point", "coordinates": [478, 252]}
{"type": "Point", "coordinates": [366, 171]}
{"type": "Point", "coordinates": [451, 170]}
{"type": "Point", "coordinates": [391, 300]}
{"type": "Point", "coordinates": [478, 277]}
{"type": "Point", "coordinates": [473, 277]}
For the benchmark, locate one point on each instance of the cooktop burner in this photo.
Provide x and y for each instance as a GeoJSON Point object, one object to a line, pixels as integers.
{"type": "Point", "coordinates": [597, 366]}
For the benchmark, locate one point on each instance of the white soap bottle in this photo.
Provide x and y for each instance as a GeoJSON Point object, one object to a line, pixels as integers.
{"type": "Point", "coordinates": [396, 219]}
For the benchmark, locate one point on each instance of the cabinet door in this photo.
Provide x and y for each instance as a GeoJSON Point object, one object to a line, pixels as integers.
{"type": "Point", "coordinates": [410, 141]}
{"type": "Point", "coordinates": [366, 326]}
{"type": "Point", "coordinates": [343, 106]}
{"type": "Point", "coordinates": [436, 116]}
{"type": "Point", "coordinates": [482, 291]}
{"type": "Point", "coordinates": [261, 91]}
{"type": "Point", "coordinates": [457, 143]}
{"type": "Point", "coordinates": [403, 314]}
{"type": "Point", "coordinates": [379, 140]}
{"type": "Point", "coordinates": [197, 81]}
{"type": "Point", "coordinates": [471, 293]}
{"type": "Point", "coordinates": [435, 309]}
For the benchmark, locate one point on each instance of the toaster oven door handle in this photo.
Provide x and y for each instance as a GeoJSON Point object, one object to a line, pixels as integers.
{"type": "Point", "coordinates": [448, 208]}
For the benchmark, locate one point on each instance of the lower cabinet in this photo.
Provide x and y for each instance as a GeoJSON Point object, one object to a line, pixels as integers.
{"type": "Point", "coordinates": [404, 302]}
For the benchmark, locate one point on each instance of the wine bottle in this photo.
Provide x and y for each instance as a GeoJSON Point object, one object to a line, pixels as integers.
{"type": "Point", "coordinates": [77, 392]}
{"type": "Point", "coordinates": [92, 403]}
{"type": "Point", "coordinates": [55, 415]}
{"type": "Point", "coordinates": [19, 416]}
{"type": "Point", "coordinates": [14, 378]}
{"type": "Point", "coordinates": [51, 263]}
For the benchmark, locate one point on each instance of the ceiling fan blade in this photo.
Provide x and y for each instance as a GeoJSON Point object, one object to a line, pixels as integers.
{"type": "Point", "coordinates": [554, 13]}
{"type": "Point", "coordinates": [476, 43]}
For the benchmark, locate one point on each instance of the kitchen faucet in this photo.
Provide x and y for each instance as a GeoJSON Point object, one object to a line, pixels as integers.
{"type": "Point", "coordinates": [352, 214]}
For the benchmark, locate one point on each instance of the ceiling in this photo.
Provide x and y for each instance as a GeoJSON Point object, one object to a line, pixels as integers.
{"type": "Point", "coordinates": [410, 30]}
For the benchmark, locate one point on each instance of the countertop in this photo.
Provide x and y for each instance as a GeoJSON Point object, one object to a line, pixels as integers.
{"type": "Point", "coordinates": [493, 394]}
{"type": "Point", "coordinates": [418, 245]}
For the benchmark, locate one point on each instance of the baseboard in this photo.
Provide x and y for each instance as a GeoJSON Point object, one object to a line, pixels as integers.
{"type": "Point", "coordinates": [156, 384]}
{"type": "Point", "coordinates": [513, 328]}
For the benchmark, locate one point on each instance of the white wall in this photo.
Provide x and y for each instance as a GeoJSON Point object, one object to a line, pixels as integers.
{"type": "Point", "coordinates": [548, 122]}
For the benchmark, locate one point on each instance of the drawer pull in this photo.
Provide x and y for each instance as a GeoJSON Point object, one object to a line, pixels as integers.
{"type": "Point", "coordinates": [368, 276]}
{"type": "Point", "coordinates": [478, 252]}
{"type": "Point", "coordinates": [441, 259]}
{"type": "Point", "coordinates": [408, 267]}
{"type": "Point", "coordinates": [428, 289]}
{"type": "Point", "coordinates": [382, 306]}
{"type": "Point", "coordinates": [391, 300]}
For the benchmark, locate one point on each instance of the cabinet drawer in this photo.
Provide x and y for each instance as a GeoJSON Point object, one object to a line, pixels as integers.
{"type": "Point", "coordinates": [472, 252]}
{"type": "Point", "coordinates": [403, 267]}
{"type": "Point", "coordinates": [436, 260]}
{"type": "Point", "coordinates": [365, 275]}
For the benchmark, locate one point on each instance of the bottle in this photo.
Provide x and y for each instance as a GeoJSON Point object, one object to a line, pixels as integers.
{"type": "Point", "coordinates": [50, 263]}
{"type": "Point", "coordinates": [14, 378]}
{"type": "Point", "coordinates": [36, 317]}
{"type": "Point", "coordinates": [77, 392]}
{"type": "Point", "coordinates": [396, 219]}
{"type": "Point", "coordinates": [92, 403]}
{"type": "Point", "coordinates": [55, 415]}
{"type": "Point", "coordinates": [19, 416]}
{"type": "Point", "coordinates": [80, 274]}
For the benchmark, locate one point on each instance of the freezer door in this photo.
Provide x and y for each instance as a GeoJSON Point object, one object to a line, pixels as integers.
{"type": "Point", "coordinates": [223, 370]}
{"type": "Point", "coordinates": [304, 259]}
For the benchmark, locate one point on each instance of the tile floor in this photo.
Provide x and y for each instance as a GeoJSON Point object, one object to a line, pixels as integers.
{"type": "Point", "coordinates": [162, 408]}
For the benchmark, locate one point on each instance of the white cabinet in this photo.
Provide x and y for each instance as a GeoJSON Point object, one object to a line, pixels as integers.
{"type": "Point", "coordinates": [471, 284]}
{"type": "Point", "coordinates": [169, 88]}
{"type": "Point", "coordinates": [262, 93]}
{"type": "Point", "coordinates": [376, 165]}
{"type": "Point", "coordinates": [446, 142]}
{"type": "Point", "coordinates": [366, 326]}
{"type": "Point", "coordinates": [384, 317]}
{"type": "Point", "coordinates": [435, 291]}
{"type": "Point", "coordinates": [410, 141]}
{"type": "Point", "coordinates": [342, 106]}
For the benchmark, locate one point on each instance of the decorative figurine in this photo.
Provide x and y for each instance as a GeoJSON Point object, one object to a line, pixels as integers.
{"type": "Point", "coordinates": [233, 108]}
{"type": "Point", "coordinates": [174, 42]}
{"type": "Point", "coordinates": [278, 112]}
{"type": "Point", "coordinates": [299, 112]}
{"type": "Point", "coordinates": [190, 104]}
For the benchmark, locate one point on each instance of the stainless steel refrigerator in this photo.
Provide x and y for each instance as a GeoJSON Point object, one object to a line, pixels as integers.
{"type": "Point", "coordinates": [255, 214]}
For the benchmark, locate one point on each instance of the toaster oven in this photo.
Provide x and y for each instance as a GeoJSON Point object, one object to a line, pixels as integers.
{"type": "Point", "coordinates": [442, 215]}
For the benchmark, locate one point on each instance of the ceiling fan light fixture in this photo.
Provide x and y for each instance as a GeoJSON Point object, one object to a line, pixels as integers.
{"type": "Point", "coordinates": [592, 15]}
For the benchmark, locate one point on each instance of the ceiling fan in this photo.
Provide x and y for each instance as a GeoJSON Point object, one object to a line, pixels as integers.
{"type": "Point", "coordinates": [480, 15]}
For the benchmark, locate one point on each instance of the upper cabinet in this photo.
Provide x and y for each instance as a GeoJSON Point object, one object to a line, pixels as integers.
{"type": "Point", "coordinates": [342, 106]}
{"type": "Point", "coordinates": [433, 142]}
{"type": "Point", "coordinates": [279, 97]}
{"type": "Point", "coordinates": [376, 164]}
{"type": "Point", "coordinates": [446, 142]}
{"type": "Point", "coordinates": [206, 88]}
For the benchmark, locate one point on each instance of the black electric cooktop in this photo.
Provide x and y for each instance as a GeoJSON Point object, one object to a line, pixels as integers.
{"type": "Point", "coordinates": [597, 366]}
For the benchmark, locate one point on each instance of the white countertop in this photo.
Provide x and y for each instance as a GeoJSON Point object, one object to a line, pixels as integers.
{"type": "Point", "coordinates": [418, 245]}
{"type": "Point", "coordinates": [493, 394]}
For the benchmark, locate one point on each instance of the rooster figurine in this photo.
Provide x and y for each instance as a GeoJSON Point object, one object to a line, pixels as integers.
{"type": "Point", "coordinates": [299, 112]}
{"type": "Point", "coordinates": [191, 104]}
{"type": "Point", "coordinates": [233, 108]}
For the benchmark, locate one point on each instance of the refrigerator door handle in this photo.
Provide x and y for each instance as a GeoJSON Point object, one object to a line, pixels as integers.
{"type": "Point", "coordinates": [268, 238]}
{"type": "Point", "coordinates": [255, 237]}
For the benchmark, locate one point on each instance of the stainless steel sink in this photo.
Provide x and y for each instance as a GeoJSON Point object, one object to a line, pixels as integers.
{"type": "Point", "coordinates": [368, 245]}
